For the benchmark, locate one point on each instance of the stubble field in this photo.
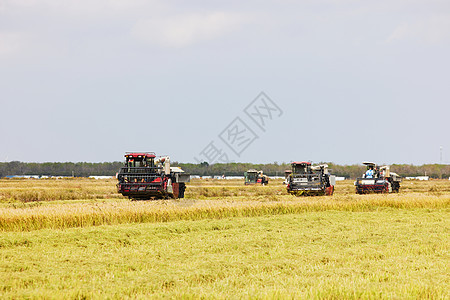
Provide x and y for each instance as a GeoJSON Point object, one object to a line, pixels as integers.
{"type": "Point", "coordinates": [77, 238]}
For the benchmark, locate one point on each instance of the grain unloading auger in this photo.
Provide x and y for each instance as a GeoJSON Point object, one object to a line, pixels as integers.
{"type": "Point", "coordinates": [145, 176]}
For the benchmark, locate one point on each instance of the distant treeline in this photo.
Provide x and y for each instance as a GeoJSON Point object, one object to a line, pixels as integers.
{"type": "Point", "coordinates": [83, 169]}
{"type": "Point", "coordinates": [347, 171]}
{"type": "Point", "coordinates": [80, 169]}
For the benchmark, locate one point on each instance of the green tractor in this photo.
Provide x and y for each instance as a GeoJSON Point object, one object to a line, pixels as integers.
{"type": "Point", "coordinates": [253, 176]}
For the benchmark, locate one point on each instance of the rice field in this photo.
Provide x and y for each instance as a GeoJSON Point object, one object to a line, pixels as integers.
{"type": "Point", "coordinates": [77, 238]}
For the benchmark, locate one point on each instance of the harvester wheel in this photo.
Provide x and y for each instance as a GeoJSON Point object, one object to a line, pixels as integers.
{"type": "Point", "coordinates": [181, 189]}
{"type": "Point", "coordinates": [329, 190]}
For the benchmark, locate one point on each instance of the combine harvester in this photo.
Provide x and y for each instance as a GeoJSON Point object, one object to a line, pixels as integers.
{"type": "Point", "coordinates": [253, 176]}
{"type": "Point", "coordinates": [145, 176]}
{"type": "Point", "coordinates": [378, 180]}
{"type": "Point", "coordinates": [310, 180]}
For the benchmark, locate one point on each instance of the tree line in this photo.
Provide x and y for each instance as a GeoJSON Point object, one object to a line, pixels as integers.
{"type": "Point", "coordinates": [84, 169]}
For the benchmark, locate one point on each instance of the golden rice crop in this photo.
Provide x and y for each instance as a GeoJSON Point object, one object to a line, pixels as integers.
{"type": "Point", "coordinates": [385, 254]}
{"type": "Point", "coordinates": [99, 213]}
{"type": "Point", "coordinates": [82, 189]}
{"type": "Point", "coordinates": [36, 204]}
{"type": "Point", "coordinates": [52, 190]}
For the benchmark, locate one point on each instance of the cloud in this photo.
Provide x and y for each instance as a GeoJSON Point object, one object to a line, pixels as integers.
{"type": "Point", "coordinates": [73, 7]}
{"type": "Point", "coordinates": [433, 30]}
{"type": "Point", "coordinates": [10, 43]}
{"type": "Point", "coordinates": [184, 30]}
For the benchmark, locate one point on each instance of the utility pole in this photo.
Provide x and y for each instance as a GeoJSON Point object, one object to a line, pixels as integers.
{"type": "Point", "coordinates": [441, 154]}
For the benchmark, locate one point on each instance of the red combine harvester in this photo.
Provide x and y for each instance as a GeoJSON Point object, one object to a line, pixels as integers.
{"type": "Point", "coordinates": [145, 176]}
{"type": "Point", "coordinates": [310, 180]}
{"type": "Point", "coordinates": [378, 180]}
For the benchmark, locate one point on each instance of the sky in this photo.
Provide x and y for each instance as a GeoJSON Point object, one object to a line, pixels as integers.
{"type": "Point", "coordinates": [343, 81]}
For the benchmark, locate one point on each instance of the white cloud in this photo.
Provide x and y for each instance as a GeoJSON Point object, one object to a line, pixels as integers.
{"type": "Point", "coordinates": [184, 30]}
{"type": "Point", "coordinates": [84, 7]}
{"type": "Point", "coordinates": [433, 30]}
{"type": "Point", "coordinates": [10, 43]}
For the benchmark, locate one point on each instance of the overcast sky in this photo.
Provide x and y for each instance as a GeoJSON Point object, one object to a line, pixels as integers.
{"type": "Point", "coordinates": [353, 80]}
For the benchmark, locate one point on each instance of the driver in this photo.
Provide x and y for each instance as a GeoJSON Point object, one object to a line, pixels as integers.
{"type": "Point", "coordinates": [369, 172]}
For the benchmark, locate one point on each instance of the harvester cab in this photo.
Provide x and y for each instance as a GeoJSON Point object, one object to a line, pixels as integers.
{"type": "Point", "coordinates": [253, 176]}
{"type": "Point", "coordinates": [138, 161]}
{"type": "Point", "coordinates": [309, 180]}
{"type": "Point", "coordinates": [145, 176]}
{"type": "Point", "coordinates": [377, 180]}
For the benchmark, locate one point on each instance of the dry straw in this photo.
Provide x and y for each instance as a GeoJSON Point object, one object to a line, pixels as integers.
{"type": "Point", "coordinates": [65, 215]}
